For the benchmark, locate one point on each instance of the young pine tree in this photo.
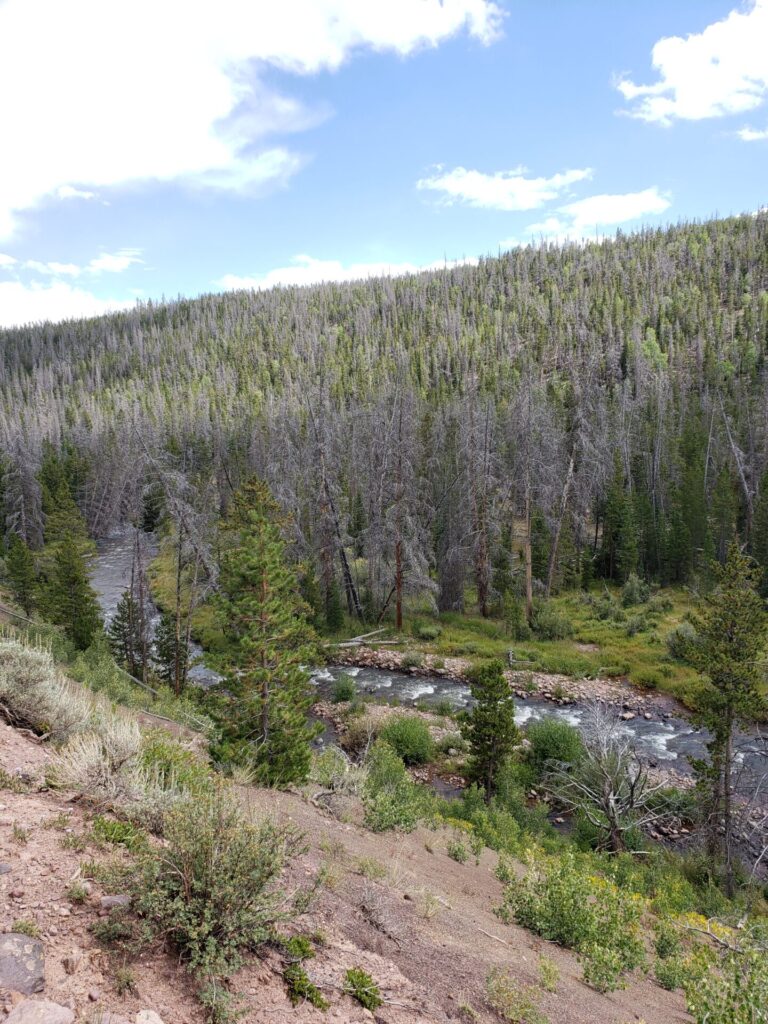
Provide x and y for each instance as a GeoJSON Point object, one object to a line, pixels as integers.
{"type": "Point", "coordinates": [730, 639]}
{"type": "Point", "coordinates": [124, 634]}
{"type": "Point", "coordinates": [490, 726]}
{"type": "Point", "coordinates": [270, 640]}
{"type": "Point", "coordinates": [171, 652]}
{"type": "Point", "coordinates": [70, 599]}
{"type": "Point", "coordinates": [22, 573]}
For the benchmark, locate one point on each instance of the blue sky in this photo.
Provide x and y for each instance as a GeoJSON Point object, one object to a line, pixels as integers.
{"type": "Point", "coordinates": [161, 149]}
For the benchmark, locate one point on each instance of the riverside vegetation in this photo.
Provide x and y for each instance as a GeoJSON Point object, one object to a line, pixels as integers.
{"type": "Point", "coordinates": [552, 452]}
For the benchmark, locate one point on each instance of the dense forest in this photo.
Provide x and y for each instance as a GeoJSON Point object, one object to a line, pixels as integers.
{"type": "Point", "coordinates": [550, 416]}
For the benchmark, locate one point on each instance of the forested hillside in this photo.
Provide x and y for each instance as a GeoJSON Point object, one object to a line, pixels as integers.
{"type": "Point", "coordinates": [601, 409]}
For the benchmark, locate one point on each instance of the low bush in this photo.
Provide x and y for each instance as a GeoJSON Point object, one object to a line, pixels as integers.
{"type": "Point", "coordinates": [213, 889]}
{"type": "Point", "coordinates": [553, 740]}
{"type": "Point", "coordinates": [566, 903]}
{"type": "Point", "coordinates": [343, 690]}
{"type": "Point", "coordinates": [635, 591]}
{"type": "Point", "coordinates": [35, 696]}
{"type": "Point", "coordinates": [410, 738]}
{"type": "Point", "coordinates": [680, 639]}
{"type": "Point", "coordinates": [390, 797]}
{"type": "Point", "coordinates": [429, 631]}
{"type": "Point", "coordinates": [734, 992]}
{"type": "Point", "coordinates": [549, 623]}
{"type": "Point", "coordinates": [513, 1002]}
{"type": "Point", "coordinates": [457, 851]}
{"type": "Point", "coordinates": [301, 989]}
{"type": "Point", "coordinates": [671, 972]}
{"type": "Point", "coordinates": [515, 620]}
{"type": "Point", "coordinates": [361, 986]}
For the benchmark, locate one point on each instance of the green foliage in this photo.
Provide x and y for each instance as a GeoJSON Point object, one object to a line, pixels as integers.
{"type": "Point", "coordinates": [671, 972]}
{"type": "Point", "coordinates": [553, 740]}
{"type": "Point", "coordinates": [125, 634]}
{"type": "Point", "coordinates": [21, 573]}
{"type": "Point", "coordinates": [361, 986]}
{"type": "Point", "coordinates": [173, 766]}
{"type": "Point", "coordinates": [734, 993]}
{"type": "Point", "coordinates": [301, 989]}
{"type": "Point", "coordinates": [344, 689]}
{"type": "Point", "coordinates": [513, 1002]}
{"type": "Point", "coordinates": [681, 640]}
{"type": "Point", "coordinates": [489, 727]}
{"type": "Point", "coordinates": [410, 737]}
{"type": "Point", "coordinates": [513, 614]}
{"type": "Point", "coordinates": [23, 926]}
{"type": "Point", "coordinates": [270, 641]}
{"type": "Point", "coordinates": [119, 833]}
{"type": "Point", "coordinates": [391, 798]}
{"type": "Point", "coordinates": [549, 974]}
{"type": "Point", "coordinates": [548, 623]}
{"type": "Point", "coordinates": [171, 653]}
{"type": "Point", "coordinates": [212, 890]}
{"type": "Point", "coordinates": [635, 591]}
{"type": "Point", "coordinates": [457, 851]}
{"type": "Point", "coordinates": [568, 904]}
{"type": "Point", "coordinates": [70, 600]}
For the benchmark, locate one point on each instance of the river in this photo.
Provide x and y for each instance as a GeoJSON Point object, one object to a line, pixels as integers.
{"type": "Point", "coordinates": [667, 742]}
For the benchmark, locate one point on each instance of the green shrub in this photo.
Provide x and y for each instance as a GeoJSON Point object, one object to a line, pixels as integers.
{"type": "Point", "coordinates": [361, 986]}
{"type": "Point", "coordinates": [671, 972]}
{"type": "Point", "coordinates": [553, 740]}
{"type": "Point", "coordinates": [119, 833]}
{"type": "Point", "coordinates": [603, 967]}
{"type": "Point", "coordinates": [171, 764]}
{"type": "Point", "coordinates": [412, 660]}
{"type": "Point", "coordinates": [635, 591]}
{"type": "Point", "coordinates": [429, 632]}
{"type": "Point", "coordinates": [666, 940]}
{"type": "Point", "coordinates": [344, 689]}
{"type": "Point", "coordinates": [549, 974]}
{"type": "Point", "coordinates": [457, 851]}
{"type": "Point", "coordinates": [410, 737]}
{"type": "Point", "coordinates": [513, 1002]}
{"type": "Point", "coordinates": [635, 624]}
{"type": "Point", "coordinates": [515, 620]}
{"type": "Point", "coordinates": [549, 623]}
{"type": "Point", "coordinates": [301, 989]}
{"type": "Point", "coordinates": [389, 796]}
{"type": "Point", "coordinates": [734, 993]}
{"type": "Point", "coordinates": [566, 903]}
{"type": "Point", "coordinates": [23, 926]}
{"type": "Point", "coordinates": [212, 890]}
{"type": "Point", "coordinates": [680, 639]}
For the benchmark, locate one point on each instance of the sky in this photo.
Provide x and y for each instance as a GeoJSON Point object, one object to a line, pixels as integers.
{"type": "Point", "coordinates": [157, 148]}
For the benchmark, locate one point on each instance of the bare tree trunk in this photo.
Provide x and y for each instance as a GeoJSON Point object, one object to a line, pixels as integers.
{"type": "Point", "coordinates": [559, 525]}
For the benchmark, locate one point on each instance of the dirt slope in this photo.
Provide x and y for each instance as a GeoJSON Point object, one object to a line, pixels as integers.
{"type": "Point", "coordinates": [426, 931]}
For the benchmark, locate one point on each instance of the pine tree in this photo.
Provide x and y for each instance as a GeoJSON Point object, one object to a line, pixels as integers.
{"type": "Point", "coordinates": [490, 726]}
{"type": "Point", "coordinates": [723, 514]}
{"type": "Point", "coordinates": [265, 621]}
{"type": "Point", "coordinates": [22, 573]}
{"type": "Point", "coordinates": [70, 599]}
{"type": "Point", "coordinates": [759, 536]}
{"type": "Point", "coordinates": [334, 613]}
{"type": "Point", "coordinates": [124, 634]}
{"type": "Point", "coordinates": [730, 638]}
{"type": "Point", "coordinates": [171, 653]}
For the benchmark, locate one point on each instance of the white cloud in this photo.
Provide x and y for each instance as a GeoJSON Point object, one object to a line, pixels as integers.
{"type": "Point", "coordinates": [306, 270]}
{"type": "Point", "coordinates": [6, 260]}
{"type": "Point", "coordinates": [747, 134]}
{"type": "Point", "coordinates": [114, 262]}
{"type": "Point", "coordinates": [98, 95]}
{"type": "Point", "coordinates": [68, 192]}
{"type": "Point", "coordinates": [503, 190]}
{"type": "Point", "coordinates": [31, 303]}
{"type": "Point", "coordinates": [583, 217]}
{"type": "Point", "coordinates": [722, 70]}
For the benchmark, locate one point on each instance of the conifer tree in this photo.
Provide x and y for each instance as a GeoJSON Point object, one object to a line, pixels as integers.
{"type": "Point", "coordinates": [171, 652]}
{"type": "Point", "coordinates": [490, 726]}
{"type": "Point", "coordinates": [22, 573]}
{"type": "Point", "coordinates": [124, 634]}
{"type": "Point", "coordinates": [270, 640]}
{"type": "Point", "coordinates": [727, 649]}
{"type": "Point", "coordinates": [70, 599]}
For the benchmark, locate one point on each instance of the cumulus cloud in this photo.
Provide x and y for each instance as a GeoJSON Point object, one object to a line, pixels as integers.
{"type": "Point", "coordinates": [722, 70]}
{"type": "Point", "coordinates": [306, 270]}
{"type": "Point", "coordinates": [583, 217]}
{"type": "Point", "coordinates": [104, 263]}
{"type": "Point", "coordinates": [182, 96]}
{"type": "Point", "coordinates": [502, 190]}
{"type": "Point", "coordinates": [747, 134]}
{"type": "Point", "coordinates": [58, 300]}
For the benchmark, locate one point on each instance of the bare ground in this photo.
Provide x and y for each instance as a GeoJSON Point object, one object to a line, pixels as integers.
{"type": "Point", "coordinates": [425, 930]}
